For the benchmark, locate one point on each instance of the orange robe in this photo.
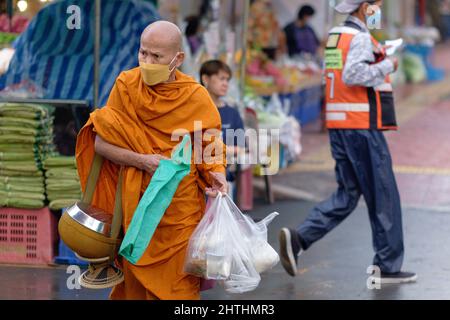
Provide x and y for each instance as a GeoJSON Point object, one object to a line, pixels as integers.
{"type": "Point", "coordinates": [142, 119]}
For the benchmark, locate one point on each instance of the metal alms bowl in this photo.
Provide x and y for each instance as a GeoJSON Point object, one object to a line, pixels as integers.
{"type": "Point", "coordinates": [86, 230]}
{"type": "Point", "coordinates": [91, 217]}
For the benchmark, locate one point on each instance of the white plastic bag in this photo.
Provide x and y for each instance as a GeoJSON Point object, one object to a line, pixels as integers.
{"type": "Point", "coordinates": [243, 276]}
{"type": "Point", "coordinates": [209, 251]}
{"type": "Point", "coordinates": [230, 247]}
{"type": "Point", "coordinates": [264, 257]}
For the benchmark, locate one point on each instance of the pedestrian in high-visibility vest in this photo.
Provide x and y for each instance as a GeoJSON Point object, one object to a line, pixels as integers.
{"type": "Point", "coordinates": [359, 106]}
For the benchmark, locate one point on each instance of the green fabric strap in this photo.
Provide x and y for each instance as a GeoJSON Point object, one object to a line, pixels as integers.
{"type": "Point", "coordinates": [90, 189]}
{"type": "Point", "coordinates": [92, 179]}
{"type": "Point", "coordinates": [117, 217]}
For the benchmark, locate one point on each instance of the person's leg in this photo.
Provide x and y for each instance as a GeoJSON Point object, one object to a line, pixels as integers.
{"type": "Point", "coordinates": [379, 187]}
{"type": "Point", "coordinates": [380, 191]}
{"type": "Point", "coordinates": [326, 215]}
{"type": "Point", "coordinates": [331, 212]}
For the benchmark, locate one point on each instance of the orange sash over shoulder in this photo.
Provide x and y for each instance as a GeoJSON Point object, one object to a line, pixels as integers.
{"type": "Point", "coordinates": [142, 119]}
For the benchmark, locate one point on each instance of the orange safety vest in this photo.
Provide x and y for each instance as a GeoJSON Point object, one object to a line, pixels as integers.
{"type": "Point", "coordinates": [355, 107]}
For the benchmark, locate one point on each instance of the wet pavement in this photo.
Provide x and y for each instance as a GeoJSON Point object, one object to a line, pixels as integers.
{"type": "Point", "coordinates": [334, 268]}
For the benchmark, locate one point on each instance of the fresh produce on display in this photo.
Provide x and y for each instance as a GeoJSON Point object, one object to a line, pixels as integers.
{"type": "Point", "coordinates": [283, 76]}
{"type": "Point", "coordinates": [263, 72]}
{"type": "Point", "coordinates": [17, 25]}
{"type": "Point", "coordinates": [61, 181]}
{"type": "Point", "coordinates": [26, 140]}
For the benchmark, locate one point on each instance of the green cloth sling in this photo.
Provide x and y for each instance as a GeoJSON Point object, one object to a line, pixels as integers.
{"type": "Point", "coordinates": [155, 201]}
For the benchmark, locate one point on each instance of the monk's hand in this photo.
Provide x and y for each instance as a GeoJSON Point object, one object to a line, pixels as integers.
{"type": "Point", "coordinates": [149, 162]}
{"type": "Point", "coordinates": [219, 184]}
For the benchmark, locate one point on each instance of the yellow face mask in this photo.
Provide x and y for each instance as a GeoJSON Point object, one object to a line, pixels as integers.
{"type": "Point", "coordinates": [152, 73]}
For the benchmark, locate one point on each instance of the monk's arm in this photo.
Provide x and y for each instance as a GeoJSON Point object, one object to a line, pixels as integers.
{"type": "Point", "coordinates": [125, 157]}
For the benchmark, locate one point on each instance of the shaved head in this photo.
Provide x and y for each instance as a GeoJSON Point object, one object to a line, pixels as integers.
{"type": "Point", "coordinates": [161, 43]}
{"type": "Point", "coordinates": [165, 33]}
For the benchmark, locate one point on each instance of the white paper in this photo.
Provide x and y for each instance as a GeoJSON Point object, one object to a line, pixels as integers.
{"type": "Point", "coordinates": [393, 46]}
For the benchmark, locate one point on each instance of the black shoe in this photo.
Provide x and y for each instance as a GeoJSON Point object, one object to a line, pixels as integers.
{"type": "Point", "coordinates": [396, 278]}
{"type": "Point", "coordinates": [290, 249]}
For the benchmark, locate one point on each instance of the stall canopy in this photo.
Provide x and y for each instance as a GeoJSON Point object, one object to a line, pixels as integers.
{"type": "Point", "coordinates": [61, 61]}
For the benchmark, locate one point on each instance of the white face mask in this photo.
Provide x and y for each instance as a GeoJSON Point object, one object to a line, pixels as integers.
{"type": "Point", "coordinates": [374, 18]}
{"type": "Point", "coordinates": [153, 74]}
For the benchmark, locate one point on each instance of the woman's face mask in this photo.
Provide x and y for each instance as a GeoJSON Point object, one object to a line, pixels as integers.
{"type": "Point", "coordinates": [153, 74]}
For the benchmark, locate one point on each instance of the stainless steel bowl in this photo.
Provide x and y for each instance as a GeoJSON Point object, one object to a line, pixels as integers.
{"type": "Point", "coordinates": [91, 217]}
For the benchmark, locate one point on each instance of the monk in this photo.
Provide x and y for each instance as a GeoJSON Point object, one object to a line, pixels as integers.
{"type": "Point", "coordinates": [134, 131]}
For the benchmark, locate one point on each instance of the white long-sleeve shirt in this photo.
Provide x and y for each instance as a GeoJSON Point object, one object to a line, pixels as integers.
{"type": "Point", "coordinates": [359, 69]}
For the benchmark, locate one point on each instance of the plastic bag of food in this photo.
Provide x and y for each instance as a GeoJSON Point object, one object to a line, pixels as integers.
{"type": "Point", "coordinates": [209, 251]}
{"type": "Point", "coordinates": [219, 250]}
{"type": "Point", "coordinates": [263, 256]}
{"type": "Point", "coordinates": [243, 275]}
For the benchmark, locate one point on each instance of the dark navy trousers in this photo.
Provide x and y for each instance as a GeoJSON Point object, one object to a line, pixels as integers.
{"type": "Point", "coordinates": [363, 167]}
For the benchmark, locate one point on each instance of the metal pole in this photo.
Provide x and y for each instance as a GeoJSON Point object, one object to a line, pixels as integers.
{"type": "Point", "coordinates": [97, 40]}
{"type": "Point", "coordinates": [244, 47]}
{"type": "Point", "coordinates": [233, 16]}
{"type": "Point", "coordinates": [10, 13]}
{"type": "Point", "coordinates": [223, 10]}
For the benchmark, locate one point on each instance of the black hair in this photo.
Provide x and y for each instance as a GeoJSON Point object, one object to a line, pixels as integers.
{"type": "Point", "coordinates": [306, 11]}
{"type": "Point", "coordinates": [212, 67]}
{"type": "Point", "coordinates": [193, 23]}
{"type": "Point", "coordinates": [204, 7]}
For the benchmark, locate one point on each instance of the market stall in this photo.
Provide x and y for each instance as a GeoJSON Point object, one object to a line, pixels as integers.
{"type": "Point", "coordinates": [54, 77]}
{"type": "Point", "coordinates": [230, 28]}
